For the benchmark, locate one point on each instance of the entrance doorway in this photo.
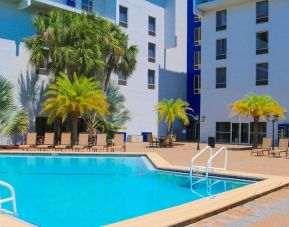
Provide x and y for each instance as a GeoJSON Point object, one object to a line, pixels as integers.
{"type": "Point", "coordinates": [240, 133]}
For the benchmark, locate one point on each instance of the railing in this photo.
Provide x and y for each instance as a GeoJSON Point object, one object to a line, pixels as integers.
{"type": "Point", "coordinates": [192, 166]}
{"type": "Point", "coordinates": [209, 162]}
{"type": "Point", "coordinates": [209, 186]}
{"type": "Point", "coordinates": [12, 198]}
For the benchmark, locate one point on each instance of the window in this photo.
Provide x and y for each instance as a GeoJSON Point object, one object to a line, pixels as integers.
{"type": "Point", "coordinates": [221, 20]}
{"type": "Point", "coordinates": [123, 16]}
{"type": "Point", "coordinates": [262, 74]}
{"type": "Point", "coordinates": [197, 84]}
{"type": "Point", "coordinates": [152, 26]}
{"type": "Point", "coordinates": [152, 52]}
{"type": "Point", "coordinates": [262, 131]}
{"type": "Point", "coordinates": [262, 43]}
{"type": "Point", "coordinates": [151, 79]}
{"type": "Point", "coordinates": [197, 60]}
{"type": "Point", "coordinates": [197, 36]}
{"type": "Point", "coordinates": [122, 79]}
{"type": "Point", "coordinates": [221, 77]}
{"type": "Point", "coordinates": [197, 18]}
{"type": "Point", "coordinates": [262, 12]}
{"type": "Point", "coordinates": [223, 132]}
{"type": "Point", "coordinates": [70, 3]}
{"type": "Point", "coordinates": [221, 50]}
{"type": "Point", "coordinates": [86, 5]}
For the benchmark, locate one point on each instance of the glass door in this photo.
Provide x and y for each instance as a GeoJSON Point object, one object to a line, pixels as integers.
{"type": "Point", "coordinates": [235, 133]}
{"type": "Point", "coordinates": [244, 132]}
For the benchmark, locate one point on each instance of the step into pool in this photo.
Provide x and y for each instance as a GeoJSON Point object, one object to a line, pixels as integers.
{"type": "Point", "coordinates": [91, 191]}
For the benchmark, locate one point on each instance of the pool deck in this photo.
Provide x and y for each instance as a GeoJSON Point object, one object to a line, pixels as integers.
{"type": "Point", "coordinates": [273, 171]}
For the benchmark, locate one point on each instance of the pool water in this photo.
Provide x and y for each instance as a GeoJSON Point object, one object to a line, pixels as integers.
{"type": "Point", "coordinates": [68, 191]}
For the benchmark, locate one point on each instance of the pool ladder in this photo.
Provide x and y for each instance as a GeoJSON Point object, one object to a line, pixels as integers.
{"type": "Point", "coordinates": [12, 199]}
{"type": "Point", "coordinates": [208, 167]}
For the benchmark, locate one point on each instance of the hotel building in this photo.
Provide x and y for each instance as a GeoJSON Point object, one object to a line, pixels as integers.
{"type": "Point", "coordinates": [157, 27]}
{"type": "Point", "coordinates": [244, 49]}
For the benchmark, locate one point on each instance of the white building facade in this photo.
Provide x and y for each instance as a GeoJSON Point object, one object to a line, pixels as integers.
{"type": "Point", "coordinates": [157, 27]}
{"type": "Point", "coordinates": [244, 49]}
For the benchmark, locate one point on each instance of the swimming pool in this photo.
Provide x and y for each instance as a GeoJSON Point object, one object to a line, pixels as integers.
{"type": "Point", "coordinates": [64, 191]}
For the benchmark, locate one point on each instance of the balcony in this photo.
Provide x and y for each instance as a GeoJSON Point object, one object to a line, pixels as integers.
{"type": "Point", "coordinates": [209, 5]}
{"type": "Point", "coordinates": [70, 5]}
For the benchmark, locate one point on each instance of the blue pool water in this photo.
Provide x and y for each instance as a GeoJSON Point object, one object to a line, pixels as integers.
{"type": "Point", "coordinates": [68, 191]}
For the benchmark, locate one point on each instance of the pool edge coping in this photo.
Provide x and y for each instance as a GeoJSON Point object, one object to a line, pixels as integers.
{"type": "Point", "coordinates": [190, 212]}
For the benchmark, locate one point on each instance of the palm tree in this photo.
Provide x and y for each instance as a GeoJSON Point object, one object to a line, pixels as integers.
{"type": "Point", "coordinates": [68, 40]}
{"type": "Point", "coordinates": [115, 120]}
{"type": "Point", "coordinates": [13, 120]}
{"type": "Point", "coordinates": [170, 110]}
{"type": "Point", "coordinates": [74, 97]}
{"type": "Point", "coordinates": [257, 107]}
{"type": "Point", "coordinates": [82, 43]}
{"type": "Point", "coordinates": [120, 58]}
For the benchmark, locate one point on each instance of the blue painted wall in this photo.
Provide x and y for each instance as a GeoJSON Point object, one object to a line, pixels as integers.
{"type": "Point", "coordinates": [193, 99]}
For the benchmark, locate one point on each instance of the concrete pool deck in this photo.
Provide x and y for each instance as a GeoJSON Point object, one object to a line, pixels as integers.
{"type": "Point", "coordinates": [240, 163]}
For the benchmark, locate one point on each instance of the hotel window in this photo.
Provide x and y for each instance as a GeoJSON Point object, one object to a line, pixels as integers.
{"type": "Point", "coordinates": [262, 12]}
{"type": "Point", "coordinates": [221, 77]}
{"type": "Point", "coordinates": [197, 36]}
{"type": "Point", "coordinates": [262, 43]}
{"type": "Point", "coordinates": [152, 52]}
{"type": "Point", "coordinates": [221, 49]}
{"type": "Point", "coordinates": [223, 132]}
{"type": "Point", "coordinates": [122, 80]}
{"type": "Point", "coordinates": [152, 26]}
{"type": "Point", "coordinates": [221, 20]}
{"type": "Point", "coordinates": [151, 79]}
{"type": "Point", "coordinates": [70, 3]}
{"type": "Point", "coordinates": [87, 5]}
{"type": "Point", "coordinates": [197, 18]}
{"type": "Point", "coordinates": [123, 18]}
{"type": "Point", "coordinates": [197, 60]}
{"type": "Point", "coordinates": [262, 131]}
{"type": "Point", "coordinates": [197, 84]}
{"type": "Point", "coordinates": [262, 74]}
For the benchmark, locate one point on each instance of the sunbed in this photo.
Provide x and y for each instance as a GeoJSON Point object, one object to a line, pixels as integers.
{"type": "Point", "coordinates": [118, 143]}
{"type": "Point", "coordinates": [30, 141]}
{"type": "Point", "coordinates": [101, 143]}
{"type": "Point", "coordinates": [48, 141]}
{"type": "Point", "coordinates": [266, 146]}
{"type": "Point", "coordinates": [82, 142]}
{"type": "Point", "coordinates": [65, 141]}
{"type": "Point", "coordinates": [282, 148]}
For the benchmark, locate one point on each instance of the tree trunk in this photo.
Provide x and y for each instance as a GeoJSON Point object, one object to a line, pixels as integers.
{"type": "Point", "coordinates": [74, 129]}
{"type": "Point", "coordinates": [57, 120]}
{"type": "Point", "coordinates": [107, 79]}
{"type": "Point", "coordinates": [255, 134]}
{"type": "Point", "coordinates": [170, 131]}
{"type": "Point", "coordinates": [57, 129]}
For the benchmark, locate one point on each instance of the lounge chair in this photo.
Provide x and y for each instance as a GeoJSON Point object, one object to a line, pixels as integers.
{"type": "Point", "coordinates": [65, 141]}
{"type": "Point", "coordinates": [152, 140]}
{"type": "Point", "coordinates": [282, 148]}
{"type": "Point", "coordinates": [118, 143]}
{"type": "Point", "coordinates": [266, 147]}
{"type": "Point", "coordinates": [30, 141]}
{"type": "Point", "coordinates": [48, 141]}
{"type": "Point", "coordinates": [82, 142]}
{"type": "Point", "coordinates": [101, 143]}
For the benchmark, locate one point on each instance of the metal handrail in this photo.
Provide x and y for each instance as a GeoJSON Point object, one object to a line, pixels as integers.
{"type": "Point", "coordinates": [196, 156]}
{"type": "Point", "coordinates": [9, 199]}
{"type": "Point", "coordinates": [209, 162]}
